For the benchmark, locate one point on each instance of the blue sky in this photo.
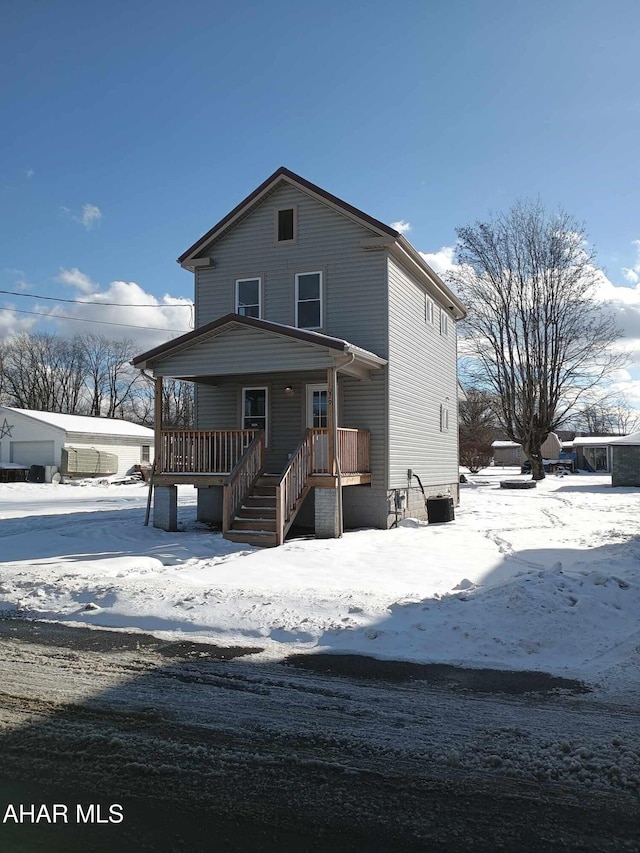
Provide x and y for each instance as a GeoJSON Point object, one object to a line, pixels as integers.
{"type": "Point", "coordinates": [131, 127]}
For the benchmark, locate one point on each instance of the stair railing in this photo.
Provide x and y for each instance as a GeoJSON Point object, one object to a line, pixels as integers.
{"type": "Point", "coordinates": [239, 483]}
{"type": "Point", "coordinates": [292, 487]}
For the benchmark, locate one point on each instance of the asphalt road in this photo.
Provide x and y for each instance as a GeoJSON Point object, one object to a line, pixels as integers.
{"type": "Point", "coordinates": [201, 749]}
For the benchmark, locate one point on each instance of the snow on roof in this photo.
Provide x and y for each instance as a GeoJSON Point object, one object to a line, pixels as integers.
{"type": "Point", "coordinates": [592, 440]}
{"type": "Point", "coordinates": [500, 443]}
{"type": "Point", "coordinates": [634, 438]}
{"type": "Point", "coordinates": [83, 423]}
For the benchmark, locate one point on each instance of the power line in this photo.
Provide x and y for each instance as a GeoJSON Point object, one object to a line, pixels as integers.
{"type": "Point", "coordinates": [82, 320]}
{"type": "Point", "coordinates": [82, 301]}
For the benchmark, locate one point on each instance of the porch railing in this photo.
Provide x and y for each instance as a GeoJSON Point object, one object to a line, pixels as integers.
{"type": "Point", "coordinates": [293, 486]}
{"type": "Point", "coordinates": [353, 451]}
{"type": "Point", "coordinates": [240, 482]}
{"type": "Point", "coordinates": [190, 451]}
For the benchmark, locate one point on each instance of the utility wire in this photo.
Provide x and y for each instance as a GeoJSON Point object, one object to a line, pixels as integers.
{"type": "Point", "coordinates": [82, 320]}
{"type": "Point", "coordinates": [83, 302]}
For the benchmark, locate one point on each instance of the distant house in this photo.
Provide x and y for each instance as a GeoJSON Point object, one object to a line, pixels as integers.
{"type": "Point", "coordinates": [625, 460]}
{"type": "Point", "coordinates": [74, 444]}
{"type": "Point", "coordinates": [324, 362]}
{"type": "Point", "coordinates": [591, 452]}
{"type": "Point", "coordinates": [511, 453]}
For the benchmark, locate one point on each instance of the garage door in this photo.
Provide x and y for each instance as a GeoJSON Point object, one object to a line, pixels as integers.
{"type": "Point", "coordinates": [33, 452]}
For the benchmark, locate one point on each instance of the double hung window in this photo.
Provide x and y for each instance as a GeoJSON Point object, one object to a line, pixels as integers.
{"type": "Point", "coordinates": [309, 300]}
{"type": "Point", "coordinates": [248, 299]}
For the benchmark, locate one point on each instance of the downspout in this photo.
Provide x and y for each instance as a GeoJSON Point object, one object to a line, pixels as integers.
{"type": "Point", "coordinates": [335, 441]}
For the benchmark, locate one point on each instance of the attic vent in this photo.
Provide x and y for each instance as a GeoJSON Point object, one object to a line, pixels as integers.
{"type": "Point", "coordinates": [87, 461]}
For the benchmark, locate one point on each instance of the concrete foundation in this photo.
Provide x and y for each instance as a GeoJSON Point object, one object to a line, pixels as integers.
{"type": "Point", "coordinates": [326, 514]}
{"type": "Point", "coordinates": [165, 507]}
{"type": "Point", "coordinates": [210, 505]}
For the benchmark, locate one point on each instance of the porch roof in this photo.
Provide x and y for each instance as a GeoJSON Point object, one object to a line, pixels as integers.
{"type": "Point", "coordinates": [245, 344]}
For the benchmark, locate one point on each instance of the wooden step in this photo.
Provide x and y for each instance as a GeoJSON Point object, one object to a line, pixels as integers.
{"type": "Point", "coordinates": [266, 491]}
{"type": "Point", "coordinates": [260, 538]}
{"type": "Point", "coordinates": [267, 480]}
{"type": "Point", "coordinates": [256, 512]}
{"type": "Point", "coordinates": [266, 524]}
{"type": "Point", "coordinates": [260, 500]}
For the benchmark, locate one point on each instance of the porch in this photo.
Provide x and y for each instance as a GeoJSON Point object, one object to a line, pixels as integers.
{"type": "Point", "coordinates": [281, 409]}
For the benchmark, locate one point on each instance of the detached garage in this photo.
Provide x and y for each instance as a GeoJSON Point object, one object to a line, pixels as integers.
{"type": "Point", "coordinates": [625, 460]}
{"type": "Point", "coordinates": [76, 445]}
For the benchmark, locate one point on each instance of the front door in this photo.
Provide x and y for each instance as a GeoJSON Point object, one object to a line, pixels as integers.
{"type": "Point", "coordinates": [317, 419]}
{"type": "Point", "coordinates": [255, 410]}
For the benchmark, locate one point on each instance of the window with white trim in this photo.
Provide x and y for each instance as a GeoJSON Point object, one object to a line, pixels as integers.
{"type": "Point", "coordinates": [428, 309]}
{"type": "Point", "coordinates": [444, 418]}
{"type": "Point", "coordinates": [248, 301]}
{"type": "Point", "coordinates": [145, 453]}
{"type": "Point", "coordinates": [286, 225]}
{"type": "Point", "coordinates": [444, 323]}
{"type": "Point", "coordinates": [309, 300]}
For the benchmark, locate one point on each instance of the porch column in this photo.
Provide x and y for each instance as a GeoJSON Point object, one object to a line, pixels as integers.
{"type": "Point", "coordinates": [332, 425]}
{"type": "Point", "coordinates": [327, 523]}
{"type": "Point", "coordinates": [157, 425]}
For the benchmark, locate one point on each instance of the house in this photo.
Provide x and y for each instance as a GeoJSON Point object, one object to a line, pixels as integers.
{"type": "Point", "coordinates": [73, 444]}
{"type": "Point", "coordinates": [511, 453]}
{"type": "Point", "coordinates": [625, 460]}
{"type": "Point", "coordinates": [324, 362]}
{"type": "Point", "coordinates": [591, 452]}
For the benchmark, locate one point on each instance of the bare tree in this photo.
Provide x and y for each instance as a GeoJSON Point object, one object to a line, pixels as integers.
{"type": "Point", "coordinates": [178, 402]}
{"type": "Point", "coordinates": [607, 416]}
{"type": "Point", "coordinates": [534, 336]}
{"type": "Point", "coordinates": [110, 378]}
{"type": "Point", "coordinates": [477, 427]}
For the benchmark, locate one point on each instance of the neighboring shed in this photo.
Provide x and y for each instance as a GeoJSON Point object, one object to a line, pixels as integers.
{"type": "Point", "coordinates": [507, 453]}
{"type": "Point", "coordinates": [625, 460]}
{"type": "Point", "coordinates": [75, 444]}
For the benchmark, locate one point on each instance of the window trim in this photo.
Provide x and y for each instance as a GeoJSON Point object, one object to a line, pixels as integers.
{"type": "Point", "coordinates": [267, 418]}
{"type": "Point", "coordinates": [238, 281]}
{"type": "Point", "coordinates": [319, 273]}
{"type": "Point", "coordinates": [444, 323]}
{"type": "Point", "coordinates": [429, 309]}
{"type": "Point", "coordinates": [276, 222]}
{"type": "Point", "coordinates": [444, 418]}
{"type": "Point", "coordinates": [143, 448]}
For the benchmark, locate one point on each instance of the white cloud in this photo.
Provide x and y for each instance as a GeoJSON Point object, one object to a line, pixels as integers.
{"type": "Point", "coordinates": [77, 279]}
{"type": "Point", "coordinates": [13, 324]}
{"type": "Point", "coordinates": [401, 226]}
{"type": "Point", "coordinates": [155, 320]}
{"type": "Point", "coordinates": [441, 261]}
{"type": "Point", "coordinates": [29, 173]}
{"type": "Point", "coordinates": [632, 274]}
{"type": "Point", "coordinates": [91, 215]}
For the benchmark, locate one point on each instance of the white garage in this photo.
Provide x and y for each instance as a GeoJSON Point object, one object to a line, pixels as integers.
{"type": "Point", "coordinates": [75, 444]}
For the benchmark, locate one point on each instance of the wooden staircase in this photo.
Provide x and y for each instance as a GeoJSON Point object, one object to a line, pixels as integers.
{"type": "Point", "coordinates": [255, 521]}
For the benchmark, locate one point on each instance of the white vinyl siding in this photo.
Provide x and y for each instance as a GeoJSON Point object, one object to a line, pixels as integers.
{"type": "Point", "coordinates": [353, 280]}
{"type": "Point", "coordinates": [422, 381]}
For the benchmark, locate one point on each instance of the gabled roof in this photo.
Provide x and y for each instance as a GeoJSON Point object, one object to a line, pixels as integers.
{"type": "Point", "coordinates": [231, 320]}
{"type": "Point", "coordinates": [84, 423]}
{"type": "Point", "coordinates": [283, 174]}
{"type": "Point", "coordinates": [401, 248]}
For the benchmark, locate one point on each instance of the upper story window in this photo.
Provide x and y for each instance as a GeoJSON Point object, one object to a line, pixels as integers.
{"type": "Point", "coordinates": [249, 297]}
{"type": "Point", "coordinates": [309, 300]}
{"type": "Point", "coordinates": [428, 310]}
{"type": "Point", "coordinates": [286, 225]}
{"type": "Point", "coordinates": [444, 322]}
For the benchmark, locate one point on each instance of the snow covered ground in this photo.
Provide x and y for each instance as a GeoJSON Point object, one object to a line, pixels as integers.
{"type": "Point", "coordinates": [543, 579]}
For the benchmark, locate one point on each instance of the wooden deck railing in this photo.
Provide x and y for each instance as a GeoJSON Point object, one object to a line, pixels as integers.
{"type": "Point", "coordinates": [353, 451]}
{"type": "Point", "coordinates": [190, 451]}
{"type": "Point", "coordinates": [240, 482]}
{"type": "Point", "coordinates": [293, 486]}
